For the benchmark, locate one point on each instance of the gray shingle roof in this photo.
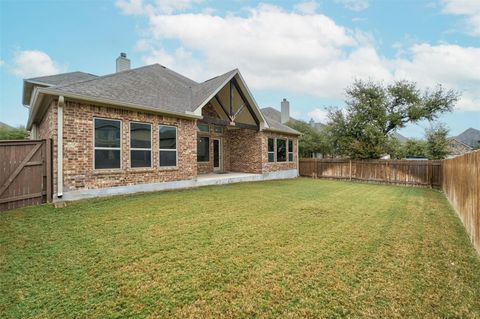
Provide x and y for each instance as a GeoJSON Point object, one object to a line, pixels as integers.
{"type": "Point", "coordinates": [277, 126]}
{"type": "Point", "coordinates": [470, 137]}
{"type": "Point", "coordinates": [152, 86]}
{"type": "Point", "coordinates": [63, 78]}
{"type": "Point", "coordinates": [203, 90]}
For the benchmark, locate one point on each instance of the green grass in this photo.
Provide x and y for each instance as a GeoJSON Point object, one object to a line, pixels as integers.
{"type": "Point", "coordinates": [278, 249]}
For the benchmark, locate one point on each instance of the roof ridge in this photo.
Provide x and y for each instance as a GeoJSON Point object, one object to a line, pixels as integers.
{"type": "Point", "coordinates": [233, 70]}
{"type": "Point", "coordinates": [104, 76]}
{"type": "Point", "coordinates": [50, 75]}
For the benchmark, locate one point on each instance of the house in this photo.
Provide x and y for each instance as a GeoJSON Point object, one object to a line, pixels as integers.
{"type": "Point", "coordinates": [5, 126]}
{"type": "Point", "coordinates": [470, 137]}
{"type": "Point", "coordinates": [151, 128]}
{"type": "Point", "coordinates": [456, 148]}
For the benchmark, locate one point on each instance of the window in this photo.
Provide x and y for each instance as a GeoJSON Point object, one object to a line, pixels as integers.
{"type": "Point", "coordinates": [281, 150]}
{"type": "Point", "coordinates": [290, 150]}
{"type": "Point", "coordinates": [203, 149]}
{"type": "Point", "coordinates": [140, 145]}
{"type": "Point", "coordinates": [271, 150]}
{"type": "Point", "coordinates": [218, 129]}
{"type": "Point", "coordinates": [202, 128]}
{"type": "Point", "coordinates": [107, 144]}
{"type": "Point", "coordinates": [168, 145]}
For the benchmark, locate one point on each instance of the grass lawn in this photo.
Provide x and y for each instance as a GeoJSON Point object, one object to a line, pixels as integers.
{"type": "Point", "coordinates": [295, 248]}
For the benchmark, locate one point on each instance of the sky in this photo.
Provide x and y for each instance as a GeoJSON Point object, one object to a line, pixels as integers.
{"type": "Point", "coordinates": [306, 51]}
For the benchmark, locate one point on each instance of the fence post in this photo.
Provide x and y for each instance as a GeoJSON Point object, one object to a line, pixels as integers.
{"type": "Point", "coordinates": [350, 169]}
{"type": "Point", "coordinates": [387, 178]}
{"type": "Point", "coordinates": [430, 173]}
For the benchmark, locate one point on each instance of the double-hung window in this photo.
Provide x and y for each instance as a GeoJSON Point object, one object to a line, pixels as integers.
{"type": "Point", "coordinates": [271, 150]}
{"type": "Point", "coordinates": [140, 145]}
{"type": "Point", "coordinates": [107, 144]}
{"type": "Point", "coordinates": [281, 150]}
{"type": "Point", "coordinates": [168, 145]}
{"type": "Point", "coordinates": [290, 150]}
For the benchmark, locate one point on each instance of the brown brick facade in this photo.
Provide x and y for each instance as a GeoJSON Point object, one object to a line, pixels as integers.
{"type": "Point", "coordinates": [243, 150]}
{"type": "Point", "coordinates": [278, 166]}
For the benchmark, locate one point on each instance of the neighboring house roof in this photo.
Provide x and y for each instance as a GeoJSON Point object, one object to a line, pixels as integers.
{"type": "Point", "coordinates": [6, 126]}
{"type": "Point", "coordinates": [399, 137]}
{"type": "Point", "coordinates": [470, 136]}
{"type": "Point", "coordinates": [454, 140]}
{"type": "Point", "coordinates": [153, 87]}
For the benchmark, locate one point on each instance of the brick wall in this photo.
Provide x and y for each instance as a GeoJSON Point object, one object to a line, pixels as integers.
{"type": "Point", "coordinates": [278, 166]}
{"type": "Point", "coordinates": [243, 150]}
{"type": "Point", "coordinates": [47, 129]}
{"type": "Point", "coordinates": [78, 149]}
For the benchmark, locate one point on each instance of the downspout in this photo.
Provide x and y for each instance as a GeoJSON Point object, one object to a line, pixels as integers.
{"type": "Point", "coordinates": [61, 104]}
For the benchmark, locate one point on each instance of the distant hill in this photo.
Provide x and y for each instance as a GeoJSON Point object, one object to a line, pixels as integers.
{"type": "Point", "coordinates": [470, 136]}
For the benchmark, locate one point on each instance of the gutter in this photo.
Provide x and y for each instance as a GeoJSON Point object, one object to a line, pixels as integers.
{"type": "Point", "coordinates": [61, 104]}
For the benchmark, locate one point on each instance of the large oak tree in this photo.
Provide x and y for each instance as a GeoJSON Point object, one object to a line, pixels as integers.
{"type": "Point", "coordinates": [374, 111]}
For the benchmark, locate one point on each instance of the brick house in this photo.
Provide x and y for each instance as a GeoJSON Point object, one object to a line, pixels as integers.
{"type": "Point", "coordinates": [151, 128]}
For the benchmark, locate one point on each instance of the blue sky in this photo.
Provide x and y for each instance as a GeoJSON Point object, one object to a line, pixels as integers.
{"type": "Point", "coordinates": [306, 51]}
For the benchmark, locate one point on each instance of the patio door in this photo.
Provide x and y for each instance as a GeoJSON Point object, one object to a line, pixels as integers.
{"type": "Point", "coordinates": [217, 155]}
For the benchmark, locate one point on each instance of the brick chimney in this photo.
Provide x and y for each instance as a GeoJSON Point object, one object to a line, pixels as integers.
{"type": "Point", "coordinates": [123, 63]}
{"type": "Point", "coordinates": [285, 116]}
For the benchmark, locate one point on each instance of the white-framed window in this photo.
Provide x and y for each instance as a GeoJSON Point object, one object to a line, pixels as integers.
{"type": "Point", "coordinates": [167, 137]}
{"type": "Point", "coordinates": [281, 153]}
{"type": "Point", "coordinates": [140, 144]}
{"type": "Point", "coordinates": [107, 143]}
{"type": "Point", "coordinates": [271, 150]}
{"type": "Point", "coordinates": [290, 150]}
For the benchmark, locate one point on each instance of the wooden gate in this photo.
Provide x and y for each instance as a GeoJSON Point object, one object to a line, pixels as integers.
{"type": "Point", "coordinates": [25, 173]}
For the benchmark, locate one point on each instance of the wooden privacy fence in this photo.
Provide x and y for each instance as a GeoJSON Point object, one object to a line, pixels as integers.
{"type": "Point", "coordinates": [425, 173]}
{"type": "Point", "coordinates": [25, 173]}
{"type": "Point", "coordinates": [461, 185]}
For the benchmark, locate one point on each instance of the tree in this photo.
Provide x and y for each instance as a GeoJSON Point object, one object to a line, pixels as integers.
{"type": "Point", "coordinates": [10, 133]}
{"type": "Point", "coordinates": [415, 148]}
{"type": "Point", "coordinates": [375, 111]}
{"type": "Point", "coordinates": [437, 142]}
{"type": "Point", "coordinates": [311, 140]}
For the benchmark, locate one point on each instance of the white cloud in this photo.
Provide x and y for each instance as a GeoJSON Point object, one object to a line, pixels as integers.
{"type": "Point", "coordinates": [131, 7]}
{"type": "Point", "coordinates": [470, 9]}
{"type": "Point", "coordinates": [138, 7]}
{"type": "Point", "coordinates": [450, 65]}
{"type": "Point", "coordinates": [318, 115]}
{"type": "Point", "coordinates": [305, 53]}
{"type": "Point", "coordinates": [355, 5]}
{"type": "Point", "coordinates": [306, 7]}
{"type": "Point", "coordinates": [32, 63]}
{"type": "Point", "coordinates": [1, 62]}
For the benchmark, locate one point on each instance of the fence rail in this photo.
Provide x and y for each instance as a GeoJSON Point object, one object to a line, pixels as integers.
{"type": "Point", "coordinates": [25, 173]}
{"type": "Point", "coordinates": [424, 173]}
{"type": "Point", "coordinates": [461, 185]}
